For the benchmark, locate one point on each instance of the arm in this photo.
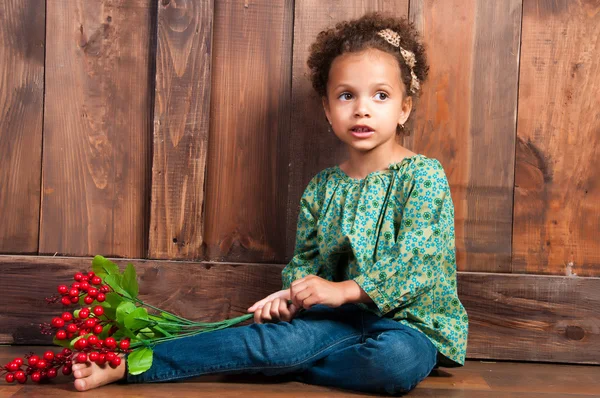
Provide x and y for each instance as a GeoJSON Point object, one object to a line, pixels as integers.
{"type": "Point", "coordinates": [305, 260]}
{"type": "Point", "coordinates": [410, 268]}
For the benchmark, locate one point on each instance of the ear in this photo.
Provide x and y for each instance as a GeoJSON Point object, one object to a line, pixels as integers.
{"type": "Point", "coordinates": [326, 108]}
{"type": "Point", "coordinates": [407, 104]}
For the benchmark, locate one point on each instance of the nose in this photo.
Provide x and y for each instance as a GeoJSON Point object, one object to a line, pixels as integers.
{"type": "Point", "coordinates": [361, 109]}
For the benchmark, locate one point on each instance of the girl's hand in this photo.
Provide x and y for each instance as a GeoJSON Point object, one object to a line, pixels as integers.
{"type": "Point", "coordinates": [312, 290]}
{"type": "Point", "coordinates": [274, 308]}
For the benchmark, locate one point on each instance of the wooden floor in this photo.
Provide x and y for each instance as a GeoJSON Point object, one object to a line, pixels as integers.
{"type": "Point", "coordinates": [475, 379]}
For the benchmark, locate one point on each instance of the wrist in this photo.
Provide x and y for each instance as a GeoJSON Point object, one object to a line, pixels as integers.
{"type": "Point", "coordinates": [352, 293]}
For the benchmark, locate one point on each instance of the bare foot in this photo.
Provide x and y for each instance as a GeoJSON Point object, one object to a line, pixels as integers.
{"type": "Point", "coordinates": [91, 375]}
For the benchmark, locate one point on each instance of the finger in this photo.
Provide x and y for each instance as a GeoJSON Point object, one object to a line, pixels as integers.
{"type": "Point", "coordinates": [284, 312]}
{"type": "Point", "coordinates": [294, 291]}
{"type": "Point", "coordinates": [275, 309]}
{"type": "Point", "coordinates": [266, 312]}
{"type": "Point", "coordinates": [301, 297]}
{"type": "Point", "coordinates": [257, 315]}
{"type": "Point", "coordinates": [282, 293]}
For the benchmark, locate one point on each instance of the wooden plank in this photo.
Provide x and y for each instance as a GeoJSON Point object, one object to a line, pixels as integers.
{"type": "Point", "coordinates": [248, 151]}
{"type": "Point", "coordinates": [96, 128]}
{"type": "Point", "coordinates": [181, 123]}
{"type": "Point", "coordinates": [311, 147]}
{"type": "Point", "coordinates": [22, 39]}
{"type": "Point", "coordinates": [466, 119]}
{"type": "Point", "coordinates": [511, 316]}
{"type": "Point", "coordinates": [557, 223]}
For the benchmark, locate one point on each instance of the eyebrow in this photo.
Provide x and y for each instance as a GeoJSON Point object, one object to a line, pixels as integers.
{"type": "Point", "coordinates": [350, 86]}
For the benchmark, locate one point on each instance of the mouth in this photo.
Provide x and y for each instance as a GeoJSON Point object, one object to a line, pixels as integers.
{"type": "Point", "coordinates": [362, 131]}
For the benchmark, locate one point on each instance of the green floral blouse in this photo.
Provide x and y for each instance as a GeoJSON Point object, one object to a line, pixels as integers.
{"type": "Point", "coordinates": [393, 234]}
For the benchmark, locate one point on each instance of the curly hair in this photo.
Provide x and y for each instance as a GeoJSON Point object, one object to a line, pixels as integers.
{"type": "Point", "coordinates": [361, 34]}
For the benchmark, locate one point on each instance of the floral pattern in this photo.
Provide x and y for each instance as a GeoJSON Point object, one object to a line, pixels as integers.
{"type": "Point", "coordinates": [392, 233]}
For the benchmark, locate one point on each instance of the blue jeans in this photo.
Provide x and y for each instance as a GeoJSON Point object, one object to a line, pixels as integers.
{"type": "Point", "coordinates": [344, 347]}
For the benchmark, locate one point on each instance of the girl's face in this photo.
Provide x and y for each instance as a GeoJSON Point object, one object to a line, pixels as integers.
{"type": "Point", "coordinates": [366, 99]}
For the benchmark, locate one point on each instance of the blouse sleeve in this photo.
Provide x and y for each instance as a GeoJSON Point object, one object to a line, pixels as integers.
{"type": "Point", "coordinates": [412, 267]}
{"type": "Point", "coordinates": [305, 260]}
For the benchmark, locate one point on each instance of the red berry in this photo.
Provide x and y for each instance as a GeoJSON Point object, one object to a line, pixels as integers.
{"type": "Point", "coordinates": [110, 356]}
{"type": "Point", "coordinates": [61, 335]}
{"type": "Point", "coordinates": [81, 344]}
{"type": "Point", "coordinates": [13, 367]}
{"type": "Point", "coordinates": [48, 355]}
{"type": "Point", "coordinates": [98, 329]}
{"type": "Point", "coordinates": [51, 373]}
{"type": "Point", "coordinates": [94, 356]}
{"type": "Point", "coordinates": [63, 289]}
{"type": "Point", "coordinates": [33, 360]}
{"type": "Point", "coordinates": [88, 300]}
{"type": "Point", "coordinates": [93, 292]}
{"type": "Point", "coordinates": [78, 276]}
{"type": "Point", "coordinates": [84, 286]}
{"type": "Point", "coordinates": [91, 274]}
{"type": "Point", "coordinates": [41, 364]}
{"type": "Point", "coordinates": [18, 361]}
{"type": "Point", "coordinates": [74, 300]}
{"type": "Point", "coordinates": [72, 328]}
{"type": "Point", "coordinates": [36, 377]}
{"type": "Point", "coordinates": [66, 352]}
{"type": "Point", "coordinates": [93, 340]}
{"type": "Point", "coordinates": [65, 300]}
{"type": "Point", "coordinates": [66, 370]}
{"type": "Point", "coordinates": [98, 310]}
{"type": "Point", "coordinates": [74, 292]}
{"type": "Point", "coordinates": [67, 316]}
{"type": "Point", "coordinates": [115, 362]}
{"type": "Point", "coordinates": [58, 322]}
{"type": "Point", "coordinates": [75, 285]}
{"type": "Point", "coordinates": [104, 289]}
{"type": "Point", "coordinates": [101, 359]}
{"type": "Point", "coordinates": [84, 313]}
{"type": "Point", "coordinates": [90, 323]}
{"type": "Point", "coordinates": [124, 344]}
{"type": "Point", "coordinates": [70, 335]}
{"type": "Point", "coordinates": [21, 376]}
{"type": "Point", "coordinates": [82, 332]}
{"type": "Point", "coordinates": [81, 357]}
{"type": "Point", "coordinates": [10, 378]}
{"type": "Point", "coordinates": [85, 278]}
{"type": "Point", "coordinates": [101, 297]}
{"type": "Point", "coordinates": [110, 342]}
{"type": "Point", "coordinates": [96, 280]}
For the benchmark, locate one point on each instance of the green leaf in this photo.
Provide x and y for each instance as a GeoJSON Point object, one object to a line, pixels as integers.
{"type": "Point", "coordinates": [63, 343]}
{"type": "Point", "coordinates": [124, 309]}
{"type": "Point", "coordinates": [145, 334]}
{"type": "Point", "coordinates": [139, 361]}
{"type": "Point", "coordinates": [115, 282]}
{"type": "Point", "coordinates": [113, 299]}
{"type": "Point", "coordinates": [104, 267]}
{"type": "Point", "coordinates": [137, 319]}
{"type": "Point", "coordinates": [170, 317]}
{"type": "Point", "coordinates": [129, 282]}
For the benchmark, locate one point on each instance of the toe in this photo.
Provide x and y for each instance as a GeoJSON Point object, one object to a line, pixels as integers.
{"type": "Point", "coordinates": [85, 372]}
{"type": "Point", "coordinates": [80, 385]}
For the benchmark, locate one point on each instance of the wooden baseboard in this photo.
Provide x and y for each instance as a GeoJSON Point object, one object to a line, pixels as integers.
{"type": "Point", "coordinates": [511, 316]}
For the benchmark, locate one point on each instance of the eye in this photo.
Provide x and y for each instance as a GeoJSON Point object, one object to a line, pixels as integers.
{"type": "Point", "coordinates": [345, 96]}
{"type": "Point", "coordinates": [382, 96]}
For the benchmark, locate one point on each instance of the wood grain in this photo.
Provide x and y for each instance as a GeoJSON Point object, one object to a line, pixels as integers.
{"type": "Point", "coordinates": [181, 126]}
{"type": "Point", "coordinates": [557, 222]}
{"type": "Point", "coordinates": [312, 148]}
{"type": "Point", "coordinates": [21, 108]}
{"type": "Point", "coordinates": [97, 128]}
{"type": "Point", "coordinates": [475, 380]}
{"type": "Point", "coordinates": [466, 119]}
{"type": "Point", "coordinates": [246, 184]}
{"type": "Point", "coordinates": [511, 316]}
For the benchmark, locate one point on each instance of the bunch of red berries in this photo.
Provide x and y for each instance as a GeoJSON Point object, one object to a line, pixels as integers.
{"type": "Point", "coordinates": [38, 369]}
{"type": "Point", "coordinates": [83, 326]}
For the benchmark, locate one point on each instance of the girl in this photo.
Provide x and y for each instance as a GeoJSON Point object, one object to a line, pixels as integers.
{"type": "Point", "coordinates": [369, 300]}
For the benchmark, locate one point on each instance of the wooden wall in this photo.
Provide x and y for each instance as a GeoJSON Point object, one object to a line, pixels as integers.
{"type": "Point", "coordinates": [181, 133]}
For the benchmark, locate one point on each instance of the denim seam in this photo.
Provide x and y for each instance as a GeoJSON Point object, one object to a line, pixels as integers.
{"type": "Point", "coordinates": [194, 374]}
